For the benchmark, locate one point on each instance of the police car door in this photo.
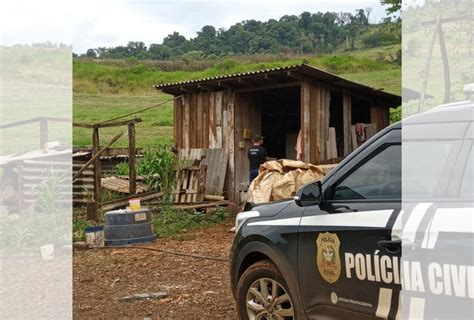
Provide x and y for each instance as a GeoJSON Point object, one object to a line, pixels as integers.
{"type": "Point", "coordinates": [348, 263]}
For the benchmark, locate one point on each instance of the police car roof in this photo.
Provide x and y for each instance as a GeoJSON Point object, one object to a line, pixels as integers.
{"type": "Point", "coordinates": [453, 112]}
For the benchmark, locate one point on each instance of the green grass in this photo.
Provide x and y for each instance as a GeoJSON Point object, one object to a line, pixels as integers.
{"type": "Point", "coordinates": [389, 79]}
{"type": "Point", "coordinates": [156, 126]}
{"type": "Point", "coordinates": [107, 89]}
{"type": "Point", "coordinates": [167, 221]}
{"type": "Point", "coordinates": [171, 222]}
{"type": "Point", "coordinates": [104, 77]}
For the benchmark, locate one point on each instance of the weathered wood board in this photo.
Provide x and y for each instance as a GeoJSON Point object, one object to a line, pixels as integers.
{"type": "Point", "coordinates": [216, 162]}
{"type": "Point", "coordinates": [331, 146]}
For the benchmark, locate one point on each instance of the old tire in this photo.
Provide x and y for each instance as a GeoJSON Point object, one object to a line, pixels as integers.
{"type": "Point", "coordinates": [262, 293]}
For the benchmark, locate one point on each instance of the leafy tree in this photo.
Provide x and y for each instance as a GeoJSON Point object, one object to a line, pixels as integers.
{"type": "Point", "coordinates": [91, 53]}
{"type": "Point", "coordinates": [394, 6]}
{"type": "Point", "coordinates": [307, 33]}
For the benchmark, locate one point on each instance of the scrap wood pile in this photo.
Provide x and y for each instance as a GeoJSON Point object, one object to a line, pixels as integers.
{"type": "Point", "coordinates": [281, 179]}
{"type": "Point", "coordinates": [199, 177]}
{"type": "Point", "coordinates": [121, 184]}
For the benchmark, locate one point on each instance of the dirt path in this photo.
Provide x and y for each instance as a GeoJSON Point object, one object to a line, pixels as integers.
{"type": "Point", "coordinates": [198, 289]}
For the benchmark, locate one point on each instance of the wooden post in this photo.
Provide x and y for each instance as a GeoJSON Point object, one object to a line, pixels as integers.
{"type": "Point", "coordinates": [132, 169]}
{"type": "Point", "coordinates": [201, 180]}
{"type": "Point", "coordinates": [43, 132]}
{"type": "Point", "coordinates": [424, 86]}
{"type": "Point", "coordinates": [97, 186]}
{"type": "Point", "coordinates": [305, 122]}
{"type": "Point", "coordinates": [346, 121]}
{"type": "Point", "coordinates": [96, 156]}
{"type": "Point", "coordinates": [444, 56]}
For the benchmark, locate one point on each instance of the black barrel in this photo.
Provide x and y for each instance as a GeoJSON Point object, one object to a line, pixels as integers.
{"type": "Point", "coordinates": [123, 227]}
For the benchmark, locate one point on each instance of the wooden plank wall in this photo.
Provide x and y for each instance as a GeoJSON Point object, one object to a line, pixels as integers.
{"type": "Point", "coordinates": [248, 108]}
{"type": "Point", "coordinates": [206, 120]}
{"type": "Point", "coordinates": [217, 119]}
{"type": "Point", "coordinates": [315, 113]}
{"type": "Point", "coordinates": [228, 132]}
{"type": "Point", "coordinates": [347, 121]}
{"type": "Point", "coordinates": [380, 117]}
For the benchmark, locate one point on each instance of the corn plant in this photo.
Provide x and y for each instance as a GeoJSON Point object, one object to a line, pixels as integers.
{"type": "Point", "coordinates": [122, 169]}
{"type": "Point", "coordinates": [156, 166]}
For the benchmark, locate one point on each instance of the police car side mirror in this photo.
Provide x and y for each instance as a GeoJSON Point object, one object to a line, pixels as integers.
{"type": "Point", "coordinates": [309, 195]}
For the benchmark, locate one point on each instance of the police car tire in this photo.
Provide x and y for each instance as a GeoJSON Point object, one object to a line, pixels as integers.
{"type": "Point", "coordinates": [261, 269]}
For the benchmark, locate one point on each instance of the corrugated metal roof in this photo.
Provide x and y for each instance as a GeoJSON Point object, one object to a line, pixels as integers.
{"type": "Point", "coordinates": [228, 76]}
{"type": "Point", "coordinates": [305, 70]}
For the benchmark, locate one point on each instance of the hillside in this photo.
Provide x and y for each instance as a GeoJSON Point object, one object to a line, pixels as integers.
{"type": "Point", "coordinates": [306, 33]}
{"type": "Point", "coordinates": [117, 87]}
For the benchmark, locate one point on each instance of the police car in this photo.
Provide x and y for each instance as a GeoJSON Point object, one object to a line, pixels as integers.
{"type": "Point", "coordinates": [334, 251]}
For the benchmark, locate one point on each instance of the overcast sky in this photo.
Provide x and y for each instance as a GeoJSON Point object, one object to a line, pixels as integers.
{"type": "Point", "coordinates": [105, 23]}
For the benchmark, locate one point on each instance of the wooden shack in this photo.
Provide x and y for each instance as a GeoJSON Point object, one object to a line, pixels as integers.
{"type": "Point", "coordinates": [228, 111]}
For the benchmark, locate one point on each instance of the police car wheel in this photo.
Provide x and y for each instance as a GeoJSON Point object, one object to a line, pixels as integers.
{"type": "Point", "coordinates": [262, 294]}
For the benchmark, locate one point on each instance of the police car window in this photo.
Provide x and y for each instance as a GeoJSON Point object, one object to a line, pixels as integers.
{"type": "Point", "coordinates": [467, 186]}
{"type": "Point", "coordinates": [424, 164]}
{"type": "Point", "coordinates": [378, 178]}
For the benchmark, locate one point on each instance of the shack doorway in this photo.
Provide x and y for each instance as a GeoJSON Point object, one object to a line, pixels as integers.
{"type": "Point", "coordinates": [360, 110]}
{"type": "Point", "coordinates": [335, 120]}
{"type": "Point", "coordinates": [281, 121]}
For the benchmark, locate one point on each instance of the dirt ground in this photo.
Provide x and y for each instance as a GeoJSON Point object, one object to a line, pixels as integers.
{"type": "Point", "coordinates": [197, 289]}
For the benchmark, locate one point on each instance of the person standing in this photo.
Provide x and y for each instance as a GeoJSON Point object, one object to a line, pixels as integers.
{"type": "Point", "coordinates": [257, 155]}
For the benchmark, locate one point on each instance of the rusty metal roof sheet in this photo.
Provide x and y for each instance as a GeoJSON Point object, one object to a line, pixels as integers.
{"type": "Point", "coordinates": [228, 76]}
{"type": "Point", "coordinates": [304, 70]}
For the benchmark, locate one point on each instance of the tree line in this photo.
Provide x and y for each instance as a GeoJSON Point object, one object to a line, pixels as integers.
{"type": "Point", "coordinates": [307, 33]}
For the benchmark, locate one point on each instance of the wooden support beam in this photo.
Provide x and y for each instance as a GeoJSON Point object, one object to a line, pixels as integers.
{"type": "Point", "coordinates": [296, 76]}
{"type": "Point", "coordinates": [269, 87]}
{"type": "Point", "coordinates": [305, 122]}
{"type": "Point", "coordinates": [271, 79]}
{"type": "Point", "coordinates": [32, 120]}
{"type": "Point", "coordinates": [118, 123]}
{"type": "Point", "coordinates": [82, 125]}
{"type": "Point", "coordinates": [132, 169]}
{"type": "Point", "coordinates": [183, 89]}
{"type": "Point", "coordinates": [245, 82]}
{"type": "Point", "coordinates": [206, 87]}
{"type": "Point", "coordinates": [96, 156]}
{"type": "Point", "coordinates": [347, 121]}
{"type": "Point", "coordinates": [96, 159]}
{"type": "Point", "coordinates": [225, 85]}
{"type": "Point", "coordinates": [107, 124]}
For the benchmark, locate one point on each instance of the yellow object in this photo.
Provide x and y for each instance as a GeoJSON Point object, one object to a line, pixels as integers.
{"type": "Point", "coordinates": [247, 134]}
{"type": "Point", "coordinates": [134, 204]}
{"type": "Point", "coordinates": [241, 144]}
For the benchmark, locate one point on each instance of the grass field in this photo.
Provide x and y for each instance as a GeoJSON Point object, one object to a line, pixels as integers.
{"type": "Point", "coordinates": [107, 89]}
{"type": "Point", "coordinates": [157, 125]}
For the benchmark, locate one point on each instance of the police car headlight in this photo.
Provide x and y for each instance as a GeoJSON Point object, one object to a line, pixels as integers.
{"type": "Point", "coordinates": [243, 216]}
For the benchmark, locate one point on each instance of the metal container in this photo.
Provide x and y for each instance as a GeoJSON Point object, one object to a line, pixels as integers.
{"type": "Point", "coordinates": [123, 227]}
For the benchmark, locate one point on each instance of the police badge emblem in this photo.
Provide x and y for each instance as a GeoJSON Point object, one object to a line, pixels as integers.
{"type": "Point", "coordinates": [327, 256]}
